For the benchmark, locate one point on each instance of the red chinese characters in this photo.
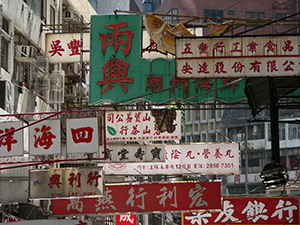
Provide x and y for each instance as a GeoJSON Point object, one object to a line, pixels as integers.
{"type": "Point", "coordinates": [8, 139]}
{"type": "Point", "coordinates": [43, 137]}
{"type": "Point", "coordinates": [82, 135]}
{"type": "Point", "coordinates": [115, 70]}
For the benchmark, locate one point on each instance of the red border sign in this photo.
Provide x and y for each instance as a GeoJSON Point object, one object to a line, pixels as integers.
{"type": "Point", "coordinates": [145, 197]}
{"type": "Point", "coordinates": [245, 210]}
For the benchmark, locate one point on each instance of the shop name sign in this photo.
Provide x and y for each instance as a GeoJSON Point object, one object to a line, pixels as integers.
{"type": "Point", "coordinates": [145, 198]}
{"type": "Point", "coordinates": [201, 158]}
{"type": "Point", "coordinates": [249, 210]}
{"type": "Point", "coordinates": [66, 182]}
{"type": "Point", "coordinates": [45, 137]}
{"type": "Point", "coordinates": [142, 125]}
{"type": "Point", "coordinates": [119, 74]}
{"type": "Point", "coordinates": [66, 48]}
{"type": "Point", "coordinates": [256, 56]}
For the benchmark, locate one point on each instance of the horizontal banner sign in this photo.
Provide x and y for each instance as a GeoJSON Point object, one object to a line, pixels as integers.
{"type": "Point", "coordinates": [82, 135]}
{"type": "Point", "coordinates": [237, 57]}
{"type": "Point", "coordinates": [159, 124]}
{"type": "Point", "coordinates": [199, 158]}
{"type": "Point", "coordinates": [55, 222]}
{"type": "Point", "coordinates": [145, 198]}
{"type": "Point", "coordinates": [134, 153]}
{"type": "Point", "coordinates": [66, 182]}
{"type": "Point", "coordinates": [246, 210]}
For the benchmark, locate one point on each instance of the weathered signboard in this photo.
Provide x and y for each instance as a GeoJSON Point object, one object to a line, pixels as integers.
{"type": "Point", "coordinates": [249, 210]}
{"type": "Point", "coordinates": [145, 197]}
{"type": "Point", "coordinates": [142, 125]}
{"type": "Point", "coordinates": [66, 182]}
{"type": "Point", "coordinates": [66, 48]}
{"type": "Point", "coordinates": [201, 158]}
{"type": "Point", "coordinates": [237, 57]}
{"type": "Point", "coordinates": [134, 153]}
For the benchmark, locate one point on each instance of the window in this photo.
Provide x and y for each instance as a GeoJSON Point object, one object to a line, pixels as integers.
{"type": "Point", "coordinates": [237, 190]}
{"type": "Point", "coordinates": [148, 6]}
{"type": "Point", "coordinates": [213, 13]}
{"type": "Point", "coordinates": [293, 132]}
{"type": "Point", "coordinates": [236, 133]}
{"type": "Point", "coordinates": [230, 13]}
{"type": "Point", "coordinates": [281, 15]}
{"type": "Point", "coordinates": [256, 132]}
{"type": "Point", "coordinates": [52, 17]}
{"type": "Point", "coordinates": [254, 15]}
{"type": "Point", "coordinates": [281, 131]}
{"type": "Point", "coordinates": [171, 19]}
{"type": "Point", "coordinates": [5, 44]}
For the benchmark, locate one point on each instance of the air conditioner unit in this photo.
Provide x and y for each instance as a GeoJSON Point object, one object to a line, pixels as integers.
{"type": "Point", "coordinates": [26, 53]}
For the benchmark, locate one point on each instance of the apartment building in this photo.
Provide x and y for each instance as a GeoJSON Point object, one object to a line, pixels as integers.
{"type": "Point", "coordinates": [245, 14]}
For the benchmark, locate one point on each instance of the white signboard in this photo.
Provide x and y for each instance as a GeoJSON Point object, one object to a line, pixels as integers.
{"type": "Point", "coordinates": [134, 153]}
{"type": "Point", "coordinates": [66, 182]}
{"type": "Point", "coordinates": [82, 135]}
{"type": "Point", "coordinates": [66, 48]}
{"type": "Point", "coordinates": [12, 143]}
{"type": "Point", "coordinates": [237, 57]}
{"type": "Point", "coordinates": [45, 138]}
{"type": "Point", "coordinates": [207, 158]}
{"type": "Point", "coordinates": [140, 126]}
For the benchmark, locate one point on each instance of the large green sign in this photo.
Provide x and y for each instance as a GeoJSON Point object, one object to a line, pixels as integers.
{"type": "Point", "coordinates": [118, 73]}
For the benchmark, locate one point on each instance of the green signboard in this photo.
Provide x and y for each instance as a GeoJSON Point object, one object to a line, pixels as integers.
{"type": "Point", "coordinates": [119, 74]}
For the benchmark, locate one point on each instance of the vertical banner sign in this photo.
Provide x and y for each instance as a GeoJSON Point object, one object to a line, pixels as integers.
{"type": "Point", "coordinates": [126, 219]}
{"type": "Point", "coordinates": [246, 210]}
{"type": "Point", "coordinates": [66, 182]}
{"type": "Point", "coordinates": [82, 135]}
{"type": "Point", "coordinates": [142, 125]}
{"type": "Point", "coordinates": [11, 143]}
{"type": "Point", "coordinates": [119, 74]}
{"type": "Point", "coordinates": [145, 198]}
{"type": "Point", "coordinates": [45, 138]}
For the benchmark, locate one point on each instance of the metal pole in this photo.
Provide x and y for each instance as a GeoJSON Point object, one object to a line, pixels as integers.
{"type": "Point", "coordinates": [246, 159]}
{"type": "Point", "coordinates": [274, 122]}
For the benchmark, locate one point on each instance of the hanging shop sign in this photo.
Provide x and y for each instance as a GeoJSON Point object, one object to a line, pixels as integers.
{"type": "Point", "coordinates": [45, 137]}
{"type": "Point", "coordinates": [55, 222]}
{"type": "Point", "coordinates": [237, 57]}
{"type": "Point", "coordinates": [11, 144]}
{"type": "Point", "coordinates": [119, 74]}
{"type": "Point", "coordinates": [158, 124]}
{"type": "Point", "coordinates": [145, 198]}
{"type": "Point", "coordinates": [126, 219]}
{"type": "Point", "coordinates": [66, 182]}
{"type": "Point", "coordinates": [134, 153]}
{"type": "Point", "coordinates": [208, 158]}
{"type": "Point", "coordinates": [249, 210]}
{"type": "Point", "coordinates": [66, 48]}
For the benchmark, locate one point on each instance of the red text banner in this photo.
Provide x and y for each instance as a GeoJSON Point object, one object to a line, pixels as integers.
{"type": "Point", "coordinates": [246, 210]}
{"type": "Point", "coordinates": [145, 197]}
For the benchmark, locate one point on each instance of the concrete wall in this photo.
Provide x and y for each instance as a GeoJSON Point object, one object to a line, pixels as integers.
{"type": "Point", "coordinates": [23, 18]}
